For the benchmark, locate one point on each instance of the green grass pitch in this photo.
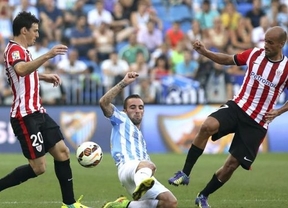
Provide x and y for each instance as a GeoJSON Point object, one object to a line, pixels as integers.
{"type": "Point", "coordinates": [265, 186]}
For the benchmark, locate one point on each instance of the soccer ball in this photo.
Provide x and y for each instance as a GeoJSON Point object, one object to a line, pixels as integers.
{"type": "Point", "coordinates": [89, 154]}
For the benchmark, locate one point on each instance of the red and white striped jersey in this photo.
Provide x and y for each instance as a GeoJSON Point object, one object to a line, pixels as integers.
{"type": "Point", "coordinates": [263, 83]}
{"type": "Point", "coordinates": [26, 98]}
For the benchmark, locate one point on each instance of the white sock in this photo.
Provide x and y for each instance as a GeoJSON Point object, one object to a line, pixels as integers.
{"type": "Point", "coordinates": [152, 203]}
{"type": "Point", "coordinates": [141, 175]}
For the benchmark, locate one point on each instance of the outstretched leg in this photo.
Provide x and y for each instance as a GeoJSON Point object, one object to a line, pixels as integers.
{"type": "Point", "coordinates": [208, 128]}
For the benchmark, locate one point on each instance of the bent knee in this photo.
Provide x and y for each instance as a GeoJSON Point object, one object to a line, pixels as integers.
{"type": "Point", "coordinates": [172, 203]}
{"type": "Point", "coordinates": [210, 126]}
{"type": "Point", "coordinates": [39, 170]}
{"type": "Point", "coordinates": [167, 200]}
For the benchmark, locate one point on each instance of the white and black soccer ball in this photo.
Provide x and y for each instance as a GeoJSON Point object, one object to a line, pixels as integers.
{"type": "Point", "coordinates": [89, 154]}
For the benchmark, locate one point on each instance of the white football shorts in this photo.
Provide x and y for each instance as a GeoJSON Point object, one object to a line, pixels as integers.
{"type": "Point", "coordinates": [126, 176]}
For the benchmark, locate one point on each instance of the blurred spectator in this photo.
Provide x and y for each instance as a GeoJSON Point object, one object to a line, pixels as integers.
{"type": "Point", "coordinates": [81, 37]}
{"type": "Point", "coordinates": [240, 38]}
{"type": "Point", "coordinates": [217, 39]}
{"type": "Point", "coordinates": [206, 15]}
{"type": "Point", "coordinates": [25, 6]}
{"type": "Point", "coordinates": [214, 4]}
{"type": "Point", "coordinates": [205, 66]}
{"type": "Point", "coordinates": [113, 68]}
{"type": "Point", "coordinates": [258, 33]}
{"type": "Point", "coordinates": [282, 16]}
{"type": "Point", "coordinates": [254, 15]}
{"type": "Point", "coordinates": [195, 33]}
{"type": "Point", "coordinates": [177, 55]}
{"type": "Point", "coordinates": [98, 15]}
{"type": "Point", "coordinates": [161, 69]}
{"type": "Point", "coordinates": [5, 21]}
{"type": "Point", "coordinates": [143, 14]}
{"type": "Point", "coordinates": [78, 8]}
{"type": "Point", "coordinates": [129, 52]}
{"type": "Point", "coordinates": [6, 94]}
{"type": "Point", "coordinates": [219, 87]}
{"type": "Point", "coordinates": [38, 49]}
{"type": "Point", "coordinates": [49, 94]}
{"type": "Point", "coordinates": [230, 17]}
{"type": "Point", "coordinates": [146, 90]}
{"type": "Point", "coordinates": [164, 50]}
{"type": "Point", "coordinates": [150, 36]}
{"type": "Point", "coordinates": [109, 4]}
{"type": "Point", "coordinates": [72, 71]}
{"type": "Point", "coordinates": [14, 3]}
{"type": "Point", "coordinates": [272, 12]}
{"type": "Point", "coordinates": [51, 20]}
{"type": "Point", "coordinates": [188, 67]}
{"type": "Point", "coordinates": [174, 35]}
{"type": "Point", "coordinates": [69, 20]}
{"type": "Point", "coordinates": [103, 38]}
{"type": "Point", "coordinates": [140, 66]}
{"type": "Point", "coordinates": [121, 24]}
{"type": "Point", "coordinates": [129, 6]}
{"type": "Point", "coordinates": [65, 5]}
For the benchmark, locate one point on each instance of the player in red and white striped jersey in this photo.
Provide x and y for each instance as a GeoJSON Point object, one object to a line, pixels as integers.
{"type": "Point", "coordinates": [247, 115]}
{"type": "Point", "coordinates": [36, 131]}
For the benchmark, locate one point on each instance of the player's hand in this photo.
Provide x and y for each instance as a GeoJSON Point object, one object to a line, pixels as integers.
{"type": "Point", "coordinates": [52, 78]}
{"type": "Point", "coordinates": [271, 115]}
{"type": "Point", "coordinates": [198, 46]}
{"type": "Point", "coordinates": [130, 77]}
{"type": "Point", "coordinates": [58, 50]}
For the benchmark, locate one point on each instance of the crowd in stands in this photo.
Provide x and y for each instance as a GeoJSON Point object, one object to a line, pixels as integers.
{"type": "Point", "coordinates": [107, 38]}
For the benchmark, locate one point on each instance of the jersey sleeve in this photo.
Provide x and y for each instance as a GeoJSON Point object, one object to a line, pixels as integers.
{"type": "Point", "coordinates": [241, 58]}
{"type": "Point", "coordinates": [15, 55]}
{"type": "Point", "coordinates": [117, 117]}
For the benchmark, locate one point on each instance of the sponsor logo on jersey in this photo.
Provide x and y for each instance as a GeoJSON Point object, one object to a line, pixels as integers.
{"type": "Point", "coordinates": [264, 81]}
{"type": "Point", "coordinates": [15, 55]}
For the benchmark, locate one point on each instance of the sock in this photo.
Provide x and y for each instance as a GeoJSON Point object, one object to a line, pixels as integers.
{"type": "Point", "coordinates": [193, 154]}
{"type": "Point", "coordinates": [64, 174]}
{"type": "Point", "coordinates": [141, 175]}
{"type": "Point", "coordinates": [212, 186]}
{"type": "Point", "coordinates": [143, 204]}
{"type": "Point", "coordinates": [17, 176]}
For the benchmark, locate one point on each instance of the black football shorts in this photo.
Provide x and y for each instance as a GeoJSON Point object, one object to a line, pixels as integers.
{"type": "Point", "coordinates": [37, 133]}
{"type": "Point", "coordinates": [248, 134]}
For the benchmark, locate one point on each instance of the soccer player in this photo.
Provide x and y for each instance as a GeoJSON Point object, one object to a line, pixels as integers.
{"type": "Point", "coordinates": [36, 131]}
{"type": "Point", "coordinates": [247, 115]}
{"type": "Point", "coordinates": [128, 149]}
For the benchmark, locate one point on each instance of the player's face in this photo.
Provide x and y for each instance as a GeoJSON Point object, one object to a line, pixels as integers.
{"type": "Point", "coordinates": [272, 45]}
{"type": "Point", "coordinates": [135, 110]}
{"type": "Point", "coordinates": [32, 34]}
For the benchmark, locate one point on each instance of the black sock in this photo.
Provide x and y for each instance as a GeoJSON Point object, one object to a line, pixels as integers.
{"type": "Point", "coordinates": [212, 186]}
{"type": "Point", "coordinates": [193, 154]}
{"type": "Point", "coordinates": [17, 176]}
{"type": "Point", "coordinates": [64, 174]}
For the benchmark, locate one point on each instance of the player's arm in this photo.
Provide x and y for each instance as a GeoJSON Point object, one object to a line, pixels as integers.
{"type": "Point", "coordinates": [106, 100]}
{"type": "Point", "coordinates": [220, 58]}
{"type": "Point", "coordinates": [276, 112]}
{"type": "Point", "coordinates": [23, 68]}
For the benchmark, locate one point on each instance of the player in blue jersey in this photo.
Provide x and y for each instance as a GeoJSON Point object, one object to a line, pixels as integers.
{"type": "Point", "coordinates": [128, 149]}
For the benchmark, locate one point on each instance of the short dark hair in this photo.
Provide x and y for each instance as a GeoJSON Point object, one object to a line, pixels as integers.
{"type": "Point", "coordinates": [23, 19]}
{"type": "Point", "coordinates": [130, 97]}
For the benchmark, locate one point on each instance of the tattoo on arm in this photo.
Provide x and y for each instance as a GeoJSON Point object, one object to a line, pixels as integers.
{"type": "Point", "coordinates": [107, 99]}
{"type": "Point", "coordinates": [122, 84]}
